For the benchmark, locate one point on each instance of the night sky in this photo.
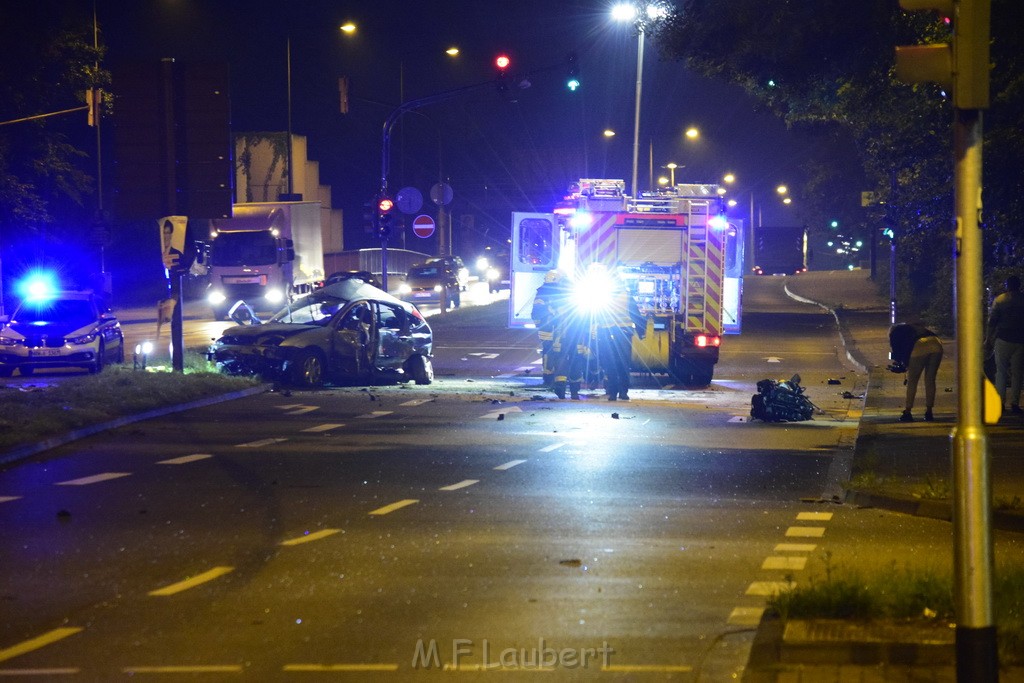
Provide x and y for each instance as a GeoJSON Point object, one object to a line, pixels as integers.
{"type": "Point", "coordinates": [499, 153]}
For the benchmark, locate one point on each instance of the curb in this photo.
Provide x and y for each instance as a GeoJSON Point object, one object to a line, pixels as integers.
{"type": "Point", "coordinates": [22, 452]}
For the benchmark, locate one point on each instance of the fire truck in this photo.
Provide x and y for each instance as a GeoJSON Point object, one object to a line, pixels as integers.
{"type": "Point", "coordinates": [675, 250]}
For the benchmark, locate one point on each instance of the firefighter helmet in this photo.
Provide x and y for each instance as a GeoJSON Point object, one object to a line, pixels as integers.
{"type": "Point", "coordinates": [552, 276]}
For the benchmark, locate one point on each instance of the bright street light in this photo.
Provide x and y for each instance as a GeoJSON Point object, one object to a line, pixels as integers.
{"type": "Point", "coordinates": [692, 133]}
{"type": "Point", "coordinates": [347, 27]}
{"type": "Point", "coordinates": [672, 166]}
{"type": "Point", "coordinates": [608, 133]}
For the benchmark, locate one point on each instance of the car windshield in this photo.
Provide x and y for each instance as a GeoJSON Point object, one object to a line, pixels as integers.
{"type": "Point", "coordinates": [315, 309]}
{"type": "Point", "coordinates": [424, 272]}
{"type": "Point", "coordinates": [75, 311]}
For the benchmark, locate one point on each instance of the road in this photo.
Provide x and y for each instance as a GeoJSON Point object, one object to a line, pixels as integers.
{"type": "Point", "coordinates": [475, 525]}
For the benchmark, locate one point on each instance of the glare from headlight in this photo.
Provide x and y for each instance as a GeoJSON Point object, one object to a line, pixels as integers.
{"type": "Point", "coordinates": [593, 291]}
{"type": "Point", "coordinates": [437, 288]}
{"type": "Point", "coordinates": [145, 347]}
{"type": "Point", "coordinates": [216, 297]}
{"type": "Point", "coordinates": [482, 265]}
{"type": "Point", "coordinates": [404, 288]}
{"type": "Point", "coordinates": [274, 296]}
{"type": "Point", "coordinates": [492, 273]}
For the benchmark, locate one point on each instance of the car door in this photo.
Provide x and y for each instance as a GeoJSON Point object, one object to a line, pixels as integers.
{"type": "Point", "coordinates": [394, 343]}
{"type": "Point", "coordinates": [353, 340]}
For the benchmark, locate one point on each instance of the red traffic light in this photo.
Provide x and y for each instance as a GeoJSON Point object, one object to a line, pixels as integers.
{"type": "Point", "coordinates": [502, 61]}
{"type": "Point", "coordinates": [385, 204]}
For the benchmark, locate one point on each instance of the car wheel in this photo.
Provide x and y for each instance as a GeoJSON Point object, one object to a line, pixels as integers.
{"type": "Point", "coordinates": [96, 367]}
{"type": "Point", "coordinates": [307, 370]}
{"type": "Point", "coordinates": [421, 369]}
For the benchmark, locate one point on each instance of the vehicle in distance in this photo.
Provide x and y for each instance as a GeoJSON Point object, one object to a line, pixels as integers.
{"type": "Point", "coordinates": [60, 329]}
{"type": "Point", "coordinates": [344, 332]}
{"type": "Point", "coordinates": [454, 264]}
{"type": "Point", "coordinates": [364, 275]}
{"type": "Point", "coordinates": [426, 283]}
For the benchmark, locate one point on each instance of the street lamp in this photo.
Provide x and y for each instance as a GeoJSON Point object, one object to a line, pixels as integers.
{"type": "Point", "coordinates": [672, 166]}
{"type": "Point", "coordinates": [642, 15]}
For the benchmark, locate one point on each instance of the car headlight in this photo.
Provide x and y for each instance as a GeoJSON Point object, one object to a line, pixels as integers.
{"type": "Point", "coordinates": [87, 338]}
{"type": "Point", "coordinates": [482, 265]}
{"type": "Point", "coordinates": [492, 273]}
{"type": "Point", "coordinates": [438, 288]}
{"type": "Point", "coordinates": [274, 296]}
{"type": "Point", "coordinates": [404, 288]}
{"type": "Point", "coordinates": [9, 341]}
{"type": "Point", "coordinates": [216, 297]}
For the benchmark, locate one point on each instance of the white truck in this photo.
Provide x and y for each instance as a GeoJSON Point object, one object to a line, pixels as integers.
{"type": "Point", "coordinates": [265, 254]}
{"type": "Point", "coordinates": [676, 251]}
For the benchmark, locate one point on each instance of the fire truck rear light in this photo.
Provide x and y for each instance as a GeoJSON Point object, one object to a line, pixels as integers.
{"type": "Point", "coordinates": [703, 340]}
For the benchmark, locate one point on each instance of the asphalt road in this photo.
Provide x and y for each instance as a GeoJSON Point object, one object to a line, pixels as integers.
{"type": "Point", "coordinates": [474, 525]}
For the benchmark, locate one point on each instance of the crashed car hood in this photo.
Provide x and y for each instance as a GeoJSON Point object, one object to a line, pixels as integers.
{"type": "Point", "coordinates": [251, 333]}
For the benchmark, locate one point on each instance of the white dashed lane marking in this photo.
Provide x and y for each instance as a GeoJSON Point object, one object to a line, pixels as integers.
{"type": "Point", "coordinates": [509, 465]}
{"type": "Point", "coordinates": [416, 402]}
{"type": "Point", "coordinates": [769, 588]}
{"type": "Point", "coordinates": [746, 616]}
{"type": "Point", "coordinates": [261, 443]}
{"type": "Point", "coordinates": [303, 410]}
{"type": "Point", "coordinates": [784, 562]}
{"type": "Point", "coordinates": [373, 415]}
{"type": "Point", "coordinates": [94, 479]}
{"type": "Point", "coordinates": [552, 447]}
{"type": "Point", "coordinates": [326, 427]}
{"type": "Point", "coordinates": [185, 459]}
{"type": "Point", "coordinates": [38, 642]}
{"type": "Point", "coordinates": [7, 499]}
{"type": "Point", "coordinates": [495, 413]}
{"type": "Point", "coordinates": [805, 531]}
{"type": "Point", "coordinates": [814, 516]}
{"type": "Point", "coordinates": [795, 547]}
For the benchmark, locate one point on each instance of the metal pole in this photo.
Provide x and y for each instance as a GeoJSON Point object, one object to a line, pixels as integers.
{"type": "Point", "coordinates": [976, 656]}
{"type": "Point", "coordinates": [636, 114]}
{"type": "Point", "coordinates": [288, 61]}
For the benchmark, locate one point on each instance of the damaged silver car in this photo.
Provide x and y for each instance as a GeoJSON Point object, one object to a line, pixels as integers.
{"type": "Point", "coordinates": [343, 333]}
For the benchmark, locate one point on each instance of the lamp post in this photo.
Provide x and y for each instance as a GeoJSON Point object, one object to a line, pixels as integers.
{"type": "Point", "coordinates": [641, 15]}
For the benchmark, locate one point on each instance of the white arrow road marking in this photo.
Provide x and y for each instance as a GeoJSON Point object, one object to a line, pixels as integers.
{"type": "Point", "coordinates": [495, 413]}
{"type": "Point", "coordinates": [94, 479]}
{"type": "Point", "coordinates": [185, 459]}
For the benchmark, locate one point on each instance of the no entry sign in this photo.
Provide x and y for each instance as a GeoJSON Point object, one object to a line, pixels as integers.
{"type": "Point", "coordinates": [423, 225]}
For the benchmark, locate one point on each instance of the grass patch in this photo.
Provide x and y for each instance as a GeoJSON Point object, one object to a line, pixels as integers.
{"type": "Point", "coordinates": [904, 594]}
{"type": "Point", "coordinates": [33, 414]}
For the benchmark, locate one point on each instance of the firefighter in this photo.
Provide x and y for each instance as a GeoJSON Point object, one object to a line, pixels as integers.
{"type": "Point", "coordinates": [615, 326]}
{"type": "Point", "coordinates": [550, 305]}
{"type": "Point", "coordinates": [571, 341]}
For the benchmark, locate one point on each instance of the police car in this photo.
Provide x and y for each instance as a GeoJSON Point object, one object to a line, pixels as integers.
{"type": "Point", "coordinates": [60, 329]}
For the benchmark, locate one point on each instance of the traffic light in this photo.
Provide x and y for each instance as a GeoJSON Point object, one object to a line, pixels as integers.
{"type": "Point", "coordinates": [369, 216]}
{"type": "Point", "coordinates": [963, 66]}
{"type": "Point", "coordinates": [385, 211]}
{"type": "Point", "coordinates": [502, 62]}
{"type": "Point", "coordinates": [573, 80]}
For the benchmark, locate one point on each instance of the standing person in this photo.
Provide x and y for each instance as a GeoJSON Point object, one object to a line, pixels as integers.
{"type": "Point", "coordinates": [548, 309]}
{"type": "Point", "coordinates": [916, 349]}
{"type": "Point", "coordinates": [571, 341]}
{"type": "Point", "coordinates": [614, 329]}
{"type": "Point", "coordinates": [1005, 337]}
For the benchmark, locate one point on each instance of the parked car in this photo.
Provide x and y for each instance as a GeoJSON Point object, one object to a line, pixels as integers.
{"type": "Point", "coordinates": [364, 275]}
{"type": "Point", "coordinates": [427, 282]}
{"type": "Point", "coordinates": [63, 329]}
{"type": "Point", "coordinates": [346, 331]}
{"type": "Point", "coordinates": [454, 264]}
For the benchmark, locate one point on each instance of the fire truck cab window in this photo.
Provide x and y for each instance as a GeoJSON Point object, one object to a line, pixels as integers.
{"type": "Point", "coordinates": [536, 240]}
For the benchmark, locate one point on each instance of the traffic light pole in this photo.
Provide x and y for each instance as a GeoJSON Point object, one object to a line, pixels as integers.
{"type": "Point", "coordinates": [976, 652]}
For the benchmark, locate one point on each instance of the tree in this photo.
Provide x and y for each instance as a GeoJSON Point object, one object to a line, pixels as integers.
{"type": "Point", "coordinates": [829, 64]}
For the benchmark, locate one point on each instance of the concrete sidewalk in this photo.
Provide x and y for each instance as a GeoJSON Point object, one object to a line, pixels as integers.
{"type": "Point", "coordinates": [903, 467]}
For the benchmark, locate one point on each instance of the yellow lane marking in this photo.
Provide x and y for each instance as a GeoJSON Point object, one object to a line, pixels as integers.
{"type": "Point", "coordinates": [646, 668]}
{"type": "Point", "coordinates": [339, 667]}
{"type": "Point", "coordinates": [806, 531]}
{"type": "Point", "coordinates": [784, 562]}
{"type": "Point", "coordinates": [814, 516]}
{"type": "Point", "coordinates": [394, 506]}
{"type": "Point", "coordinates": [37, 642]}
{"type": "Point", "coordinates": [795, 547]}
{"type": "Point", "coordinates": [460, 485]}
{"type": "Point", "coordinates": [315, 536]}
{"type": "Point", "coordinates": [197, 669]}
{"type": "Point", "coordinates": [192, 582]}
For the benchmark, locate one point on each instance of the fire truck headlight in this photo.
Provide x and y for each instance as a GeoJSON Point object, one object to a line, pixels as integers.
{"type": "Point", "coordinates": [274, 296]}
{"type": "Point", "coordinates": [482, 264]}
{"type": "Point", "coordinates": [216, 297]}
{"type": "Point", "coordinates": [593, 291]}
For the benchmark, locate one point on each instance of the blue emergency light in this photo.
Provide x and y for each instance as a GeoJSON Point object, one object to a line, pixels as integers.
{"type": "Point", "coordinates": [38, 286]}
